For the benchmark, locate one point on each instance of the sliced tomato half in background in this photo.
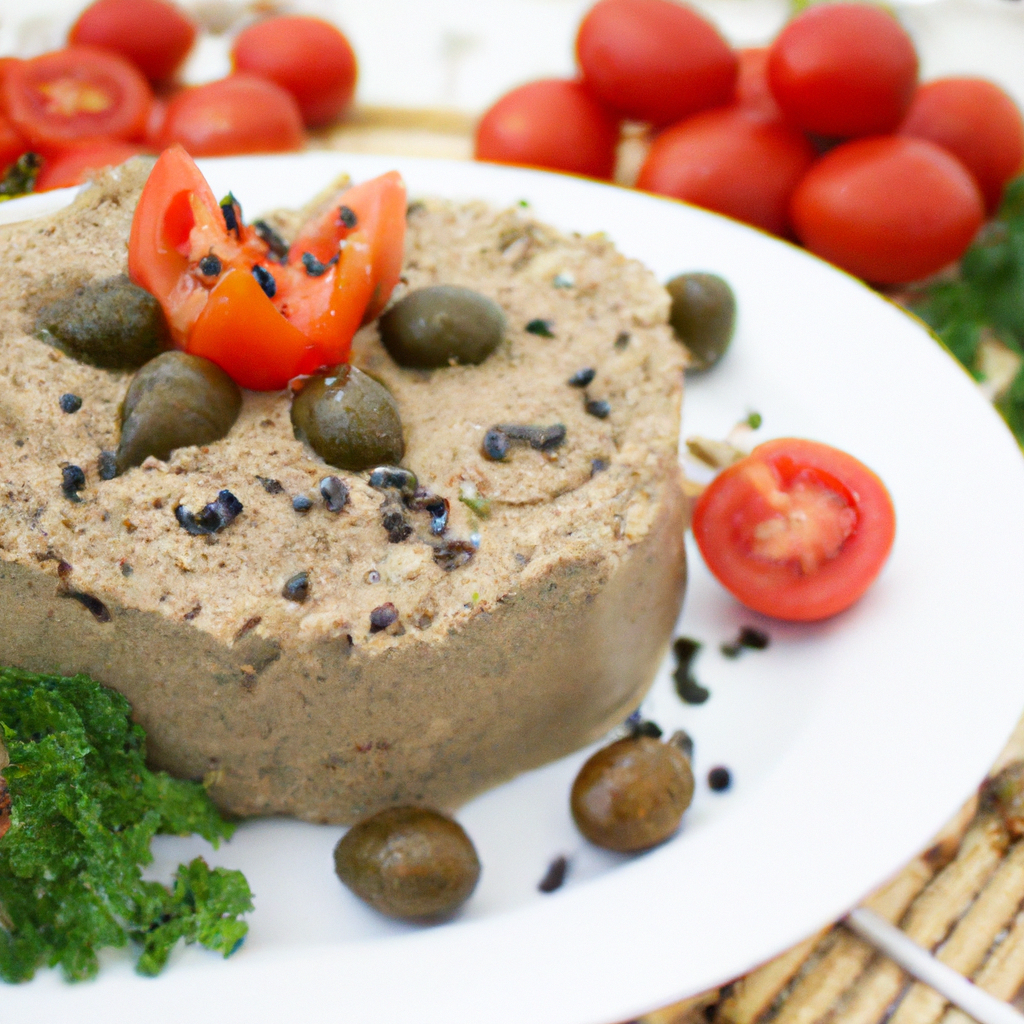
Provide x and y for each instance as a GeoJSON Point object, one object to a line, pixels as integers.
{"type": "Point", "coordinates": [75, 95]}
{"type": "Point", "coordinates": [797, 530]}
{"type": "Point", "coordinates": [76, 166]}
{"type": "Point", "coordinates": [263, 317]}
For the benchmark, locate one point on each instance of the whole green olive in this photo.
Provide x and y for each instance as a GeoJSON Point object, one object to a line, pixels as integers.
{"type": "Point", "coordinates": [631, 795]}
{"type": "Point", "coordinates": [112, 324]}
{"type": "Point", "coordinates": [408, 862]}
{"type": "Point", "coordinates": [441, 325]}
{"type": "Point", "coordinates": [703, 316]}
{"type": "Point", "coordinates": [174, 401]}
{"type": "Point", "coordinates": [350, 420]}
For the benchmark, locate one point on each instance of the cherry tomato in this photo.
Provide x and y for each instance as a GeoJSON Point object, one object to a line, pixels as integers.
{"type": "Point", "coordinates": [79, 94]}
{"type": "Point", "coordinates": [888, 209]}
{"type": "Point", "coordinates": [308, 57]}
{"type": "Point", "coordinates": [797, 530]}
{"type": "Point", "coordinates": [843, 70]}
{"type": "Point", "coordinates": [12, 143]}
{"type": "Point", "coordinates": [78, 165]}
{"type": "Point", "coordinates": [654, 60]}
{"type": "Point", "coordinates": [978, 123]}
{"type": "Point", "coordinates": [732, 161]}
{"type": "Point", "coordinates": [154, 35]}
{"type": "Point", "coordinates": [237, 114]}
{"type": "Point", "coordinates": [552, 123]}
{"type": "Point", "coordinates": [261, 320]}
{"type": "Point", "coordinates": [752, 90]}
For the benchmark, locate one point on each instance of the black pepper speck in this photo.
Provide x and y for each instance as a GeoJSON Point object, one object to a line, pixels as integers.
{"type": "Point", "coordinates": [72, 481]}
{"type": "Point", "coordinates": [270, 485]}
{"type": "Point", "coordinates": [495, 446]}
{"type": "Point", "coordinates": [334, 492]}
{"type": "Point", "coordinates": [297, 588]}
{"type": "Point", "coordinates": [265, 279]}
{"type": "Point", "coordinates": [394, 478]}
{"type": "Point", "coordinates": [383, 616]}
{"type": "Point", "coordinates": [598, 466]}
{"type": "Point", "coordinates": [301, 503]}
{"type": "Point", "coordinates": [581, 378]}
{"type": "Point", "coordinates": [70, 403]}
{"type": "Point", "coordinates": [210, 266]}
{"type": "Point", "coordinates": [719, 779]}
{"type": "Point", "coordinates": [598, 407]}
{"type": "Point", "coordinates": [216, 516]}
{"type": "Point", "coordinates": [554, 878]}
{"type": "Point", "coordinates": [622, 340]}
{"type": "Point", "coordinates": [107, 465]}
{"type": "Point", "coordinates": [347, 216]}
{"type": "Point", "coordinates": [542, 328]}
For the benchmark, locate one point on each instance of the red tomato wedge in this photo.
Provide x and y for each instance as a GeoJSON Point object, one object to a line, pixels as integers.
{"type": "Point", "coordinates": [264, 316]}
{"type": "Point", "coordinates": [797, 530]}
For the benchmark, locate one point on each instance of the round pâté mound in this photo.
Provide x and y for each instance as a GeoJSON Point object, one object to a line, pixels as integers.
{"type": "Point", "coordinates": [324, 651]}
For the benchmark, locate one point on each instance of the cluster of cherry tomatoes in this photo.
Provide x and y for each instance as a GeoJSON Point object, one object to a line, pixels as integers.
{"type": "Point", "coordinates": [825, 135]}
{"type": "Point", "coordinates": [111, 94]}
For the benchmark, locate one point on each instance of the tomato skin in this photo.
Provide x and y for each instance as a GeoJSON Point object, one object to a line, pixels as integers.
{"type": "Point", "coordinates": [307, 56]}
{"type": "Point", "coordinates": [843, 70]}
{"type": "Point", "coordinates": [978, 123]}
{"type": "Point", "coordinates": [888, 209]}
{"type": "Point", "coordinates": [752, 89]}
{"type": "Point", "coordinates": [154, 35]}
{"type": "Point", "coordinates": [12, 143]}
{"type": "Point", "coordinates": [732, 161]}
{"type": "Point", "coordinates": [552, 123]}
{"type": "Point", "coordinates": [726, 515]}
{"type": "Point", "coordinates": [238, 114]}
{"type": "Point", "coordinates": [654, 60]}
{"type": "Point", "coordinates": [78, 165]}
{"type": "Point", "coordinates": [76, 95]}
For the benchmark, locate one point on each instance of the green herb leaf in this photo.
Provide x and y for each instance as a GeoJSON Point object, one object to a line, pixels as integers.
{"type": "Point", "coordinates": [84, 808]}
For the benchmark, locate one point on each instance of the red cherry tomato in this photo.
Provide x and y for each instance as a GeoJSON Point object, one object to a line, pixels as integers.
{"type": "Point", "coordinates": [293, 322]}
{"type": "Point", "coordinates": [843, 70]}
{"type": "Point", "coordinates": [12, 143]}
{"type": "Point", "coordinates": [76, 95]}
{"type": "Point", "coordinates": [732, 161]}
{"type": "Point", "coordinates": [978, 123]}
{"type": "Point", "coordinates": [797, 530]}
{"type": "Point", "coordinates": [308, 57]}
{"type": "Point", "coordinates": [78, 165]}
{"type": "Point", "coordinates": [238, 114]}
{"type": "Point", "coordinates": [888, 209]}
{"type": "Point", "coordinates": [551, 123]}
{"type": "Point", "coordinates": [154, 35]}
{"type": "Point", "coordinates": [752, 90]}
{"type": "Point", "coordinates": [654, 60]}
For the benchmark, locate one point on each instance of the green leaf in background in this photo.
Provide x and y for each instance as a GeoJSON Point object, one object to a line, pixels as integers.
{"type": "Point", "coordinates": [84, 810]}
{"type": "Point", "coordinates": [985, 301]}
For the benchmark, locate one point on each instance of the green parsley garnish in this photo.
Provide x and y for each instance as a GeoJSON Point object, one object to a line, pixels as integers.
{"type": "Point", "coordinates": [84, 808]}
{"type": "Point", "coordinates": [985, 300]}
{"type": "Point", "coordinates": [20, 177]}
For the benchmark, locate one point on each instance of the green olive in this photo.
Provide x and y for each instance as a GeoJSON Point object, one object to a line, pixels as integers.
{"type": "Point", "coordinates": [408, 862]}
{"type": "Point", "coordinates": [350, 420]}
{"type": "Point", "coordinates": [112, 324]}
{"type": "Point", "coordinates": [441, 325]}
{"type": "Point", "coordinates": [631, 794]}
{"type": "Point", "coordinates": [703, 316]}
{"type": "Point", "coordinates": [174, 401]}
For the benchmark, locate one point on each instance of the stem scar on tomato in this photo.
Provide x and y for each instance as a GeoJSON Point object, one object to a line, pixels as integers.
{"type": "Point", "coordinates": [796, 530]}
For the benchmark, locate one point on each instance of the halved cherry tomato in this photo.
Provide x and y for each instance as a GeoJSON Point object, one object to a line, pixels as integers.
{"type": "Point", "coordinates": [551, 123]}
{"type": "Point", "coordinates": [78, 165]}
{"type": "Point", "coordinates": [978, 123]}
{"type": "Point", "coordinates": [654, 60]}
{"type": "Point", "coordinates": [797, 530]}
{"type": "Point", "coordinates": [238, 114]}
{"type": "Point", "coordinates": [732, 160]}
{"type": "Point", "coordinates": [292, 318]}
{"type": "Point", "coordinates": [154, 35]}
{"type": "Point", "coordinates": [12, 143]}
{"type": "Point", "coordinates": [307, 56]}
{"type": "Point", "coordinates": [76, 95]}
{"type": "Point", "coordinates": [843, 70]}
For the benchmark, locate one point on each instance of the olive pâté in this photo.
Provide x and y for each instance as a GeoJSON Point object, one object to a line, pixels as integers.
{"type": "Point", "coordinates": [440, 325]}
{"type": "Point", "coordinates": [631, 795]}
{"type": "Point", "coordinates": [702, 315]}
{"type": "Point", "coordinates": [350, 420]}
{"type": "Point", "coordinates": [408, 862]}
{"type": "Point", "coordinates": [112, 324]}
{"type": "Point", "coordinates": [174, 401]}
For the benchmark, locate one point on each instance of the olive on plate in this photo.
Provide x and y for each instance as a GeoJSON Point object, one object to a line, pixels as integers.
{"type": "Point", "coordinates": [703, 315]}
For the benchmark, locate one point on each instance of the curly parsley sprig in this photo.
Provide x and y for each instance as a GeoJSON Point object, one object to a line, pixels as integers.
{"type": "Point", "coordinates": [84, 808]}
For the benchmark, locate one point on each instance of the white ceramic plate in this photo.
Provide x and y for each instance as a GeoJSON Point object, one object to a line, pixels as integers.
{"type": "Point", "coordinates": [850, 741]}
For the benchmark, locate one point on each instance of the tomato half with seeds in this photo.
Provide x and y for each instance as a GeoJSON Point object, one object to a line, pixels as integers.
{"type": "Point", "coordinates": [76, 95]}
{"type": "Point", "coordinates": [235, 295]}
{"type": "Point", "coordinates": [797, 530]}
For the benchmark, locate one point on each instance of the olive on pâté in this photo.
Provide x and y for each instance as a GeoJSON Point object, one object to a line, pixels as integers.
{"type": "Point", "coordinates": [440, 325]}
{"type": "Point", "coordinates": [703, 316]}
{"type": "Point", "coordinates": [349, 419]}
{"type": "Point", "coordinates": [631, 795]}
{"type": "Point", "coordinates": [408, 862]}
{"type": "Point", "coordinates": [174, 401]}
{"type": "Point", "coordinates": [112, 324]}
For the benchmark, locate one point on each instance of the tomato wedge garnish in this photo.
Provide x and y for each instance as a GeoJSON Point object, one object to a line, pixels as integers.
{"type": "Point", "coordinates": [797, 530]}
{"type": "Point", "coordinates": [264, 316]}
